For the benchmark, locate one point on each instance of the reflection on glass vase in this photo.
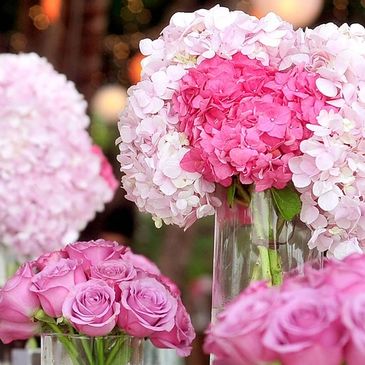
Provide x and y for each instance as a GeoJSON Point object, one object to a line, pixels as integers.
{"type": "Point", "coordinates": [253, 242]}
{"type": "Point", "coordinates": [155, 356]}
{"type": "Point", "coordinates": [62, 349]}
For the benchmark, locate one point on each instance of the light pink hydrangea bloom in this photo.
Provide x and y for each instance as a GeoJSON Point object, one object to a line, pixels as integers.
{"type": "Point", "coordinates": [331, 172]}
{"type": "Point", "coordinates": [51, 181]}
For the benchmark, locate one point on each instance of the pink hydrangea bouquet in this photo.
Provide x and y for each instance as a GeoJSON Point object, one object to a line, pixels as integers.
{"type": "Point", "coordinates": [52, 179]}
{"type": "Point", "coordinates": [96, 289]}
{"type": "Point", "coordinates": [317, 318]}
{"type": "Point", "coordinates": [229, 100]}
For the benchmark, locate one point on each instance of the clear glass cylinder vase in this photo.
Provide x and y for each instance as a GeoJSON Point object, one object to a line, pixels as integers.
{"type": "Point", "coordinates": [253, 242]}
{"type": "Point", "coordinates": [64, 349]}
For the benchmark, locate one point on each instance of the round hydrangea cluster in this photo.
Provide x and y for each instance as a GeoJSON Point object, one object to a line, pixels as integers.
{"type": "Point", "coordinates": [52, 180]}
{"type": "Point", "coordinates": [242, 118]}
{"type": "Point", "coordinates": [224, 94]}
{"type": "Point", "coordinates": [151, 144]}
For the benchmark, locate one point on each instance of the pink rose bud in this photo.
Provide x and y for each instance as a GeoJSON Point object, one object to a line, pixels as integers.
{"type": "Point", "coordinates": [114, 272]}
{"type": "Point", "coordinates": [91, 308]}
{"type": "Point", "coordinates": [94, 252]}
{"type": "Point", "coordinates": [54, 282]}
{"type": "Point", "coordinates": [180, 337]}
{"type": "Point", "coordinates": [147, 306]}
{"type": "Point", "coordinates": [305, 329]}
{"type": "Point", "coordinates": [17, 306]}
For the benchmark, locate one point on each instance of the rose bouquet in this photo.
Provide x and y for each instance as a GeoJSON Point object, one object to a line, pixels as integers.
{"type": "Point", "coordinates": [317, 318]}
{"type": "Point", "coordinates": [248, 106]}
{"type": "Point", "coordinates": [95, 289]}
{"type": "Point", "coordinates": [52, 179]}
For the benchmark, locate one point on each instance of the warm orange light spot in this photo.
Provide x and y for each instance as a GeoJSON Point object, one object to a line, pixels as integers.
{"type": "Point", "coordinates": [135, 68]}
{"type": "Point", "coordinates": [52, 8]}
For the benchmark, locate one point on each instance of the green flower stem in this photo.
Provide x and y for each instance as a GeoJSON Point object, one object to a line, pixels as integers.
{"type": "Point", "coordinates": [87, 349]}
{"type": "Point", "coordinates": [275, 267]}
{"type": "Point", "coordinates": [69, 346]}
{"type": "Point", "coordinates": [100, 350]}
{"type": "Point", "coordinates": [113, 353]}
{"type": "Point", "coordinates": [265, 263]}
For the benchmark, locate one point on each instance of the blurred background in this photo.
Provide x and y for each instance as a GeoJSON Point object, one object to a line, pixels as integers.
{"type": "Point", "coordinates": [95, 43]}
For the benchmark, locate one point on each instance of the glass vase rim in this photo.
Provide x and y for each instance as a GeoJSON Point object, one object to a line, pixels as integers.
{"type": "Point", "coordinates": [83, 336]}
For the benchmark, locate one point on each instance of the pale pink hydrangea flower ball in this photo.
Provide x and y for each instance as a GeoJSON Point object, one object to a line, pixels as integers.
{"type": "Point", "coordinates": [51, 180]}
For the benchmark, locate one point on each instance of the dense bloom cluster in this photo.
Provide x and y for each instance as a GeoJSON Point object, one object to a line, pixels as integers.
{"type": "Point", "coordinates": [152, 145]}
{"type": "Point", "coordinates": [316, 318]}
{"type": "Point", "coordinates": [330, 173]}
{"type": "Point", "coordinates": [226, 97]}
{"type": "Point", "coordinates": [52, 179]}
{"type": "Point", "coordinates": [99, 287]}
{"type": "Point", "coordinates": [242, 118]}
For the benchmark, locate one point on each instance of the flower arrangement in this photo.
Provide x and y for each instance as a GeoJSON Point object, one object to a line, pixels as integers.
{"type": "Point", "coordinates": [229, 100]}
{"type": "Point", "coordinates": [52, 179]}
{"type": "Point", "coordinates": [94, 288]}
{"type": "Point", "coordinates": [315, 318]}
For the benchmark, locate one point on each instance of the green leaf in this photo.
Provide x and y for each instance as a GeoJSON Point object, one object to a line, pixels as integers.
{"type": "Point", "coordinates": [287, 202]}
{"type": "Point", "coordinates": [231, 193]}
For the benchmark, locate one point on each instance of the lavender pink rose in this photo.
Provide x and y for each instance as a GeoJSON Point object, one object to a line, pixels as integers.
{"type": "Point", "coordinates": [91, 308]}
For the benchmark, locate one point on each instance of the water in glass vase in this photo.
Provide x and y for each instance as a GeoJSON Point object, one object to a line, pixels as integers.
{"type": "Point", "coordinates": [65, 349]}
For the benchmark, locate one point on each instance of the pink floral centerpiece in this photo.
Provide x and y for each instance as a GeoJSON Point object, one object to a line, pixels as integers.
{"type": "Point", "coordinates": [94, 289]}
{"type": "Point", "coordinates": [250, 105]}
{"type": "Point", "coordinates": [317, 318]}
{"type": "Point", "coordinates": [52, 179]}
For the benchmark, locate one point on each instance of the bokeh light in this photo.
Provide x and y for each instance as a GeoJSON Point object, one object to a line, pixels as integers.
{"type": "Point", "coordinates": [300, 13]}
{"type": "Point", "coordinates": [108, 102]}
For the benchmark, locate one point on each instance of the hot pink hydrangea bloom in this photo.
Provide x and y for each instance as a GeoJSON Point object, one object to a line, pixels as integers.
{"type": "Point", "coordinates": [245, 119]}
{"type": "Point", "coordinates": [51, 181]}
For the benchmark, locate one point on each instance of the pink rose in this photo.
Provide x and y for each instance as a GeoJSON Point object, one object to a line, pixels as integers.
{"type": "Point", "coordinates": [346, 277]}
{"type": "Point", "coordinates": [180, 337]}
{"type": "Point", "coordinates": [236, 337]}
{"type": "Point", "coordinates": [353, 314]}
{"type": "Point", "coordinates": [305, 329]}
{"type": "Point", "coordinates": [54, 282]}
{"type": "Point", "coordinates": [49, 257]}
{"type": "Point", "coordinates": [141, 262]}
{"type": "Point", "coordinates": [113, 272]}
{"type": "Point", "coordinates": [147, 306]}
{"type": "Point", "coordinates": [17, 305]}
{"type": "Point", "coordinates": [93, 252]}
{"type": "Point", "coordinates": [91, 308]}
